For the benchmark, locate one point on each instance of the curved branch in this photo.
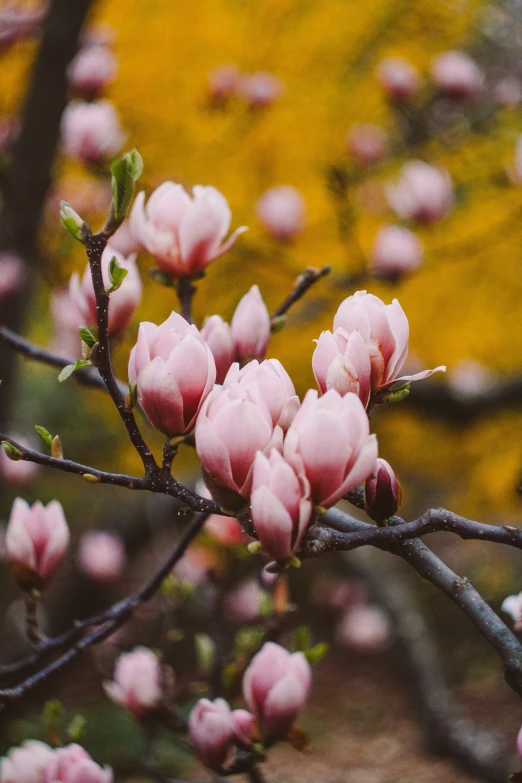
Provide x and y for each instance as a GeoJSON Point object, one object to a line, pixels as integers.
{"type": "Point", "coordinates": [302, 284]}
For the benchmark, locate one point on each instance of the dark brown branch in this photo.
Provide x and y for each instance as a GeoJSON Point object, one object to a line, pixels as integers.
{"type": "Point", "coordinates": [186, 290]}
{"type": "Point", "coordinates": [302, 284]}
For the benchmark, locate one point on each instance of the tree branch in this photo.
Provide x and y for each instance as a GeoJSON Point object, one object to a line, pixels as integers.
{"type": "Point", "coordinates": [302, 284]}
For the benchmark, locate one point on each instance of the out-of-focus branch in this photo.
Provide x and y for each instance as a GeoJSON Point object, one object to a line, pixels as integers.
{"type": "Point", "coordinates": [302, 284]}
{"type": "Point", "coordinates": [440, 401]}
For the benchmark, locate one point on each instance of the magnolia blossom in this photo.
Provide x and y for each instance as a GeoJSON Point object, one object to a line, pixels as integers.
{"type": "Point", "coordinates": [243, 604]}
{"type": "Point", "coordinates": [138, 682]}
{"type": "Point", "coordinates": [274, 385]}
{"type": "Point", "coordinates": [455, 74]}
{"type": "Point", "coordinates": [366, 629]}
{"type": "Point", "coordinates": [225, 530]}
{"type": "Point", "coordinates": [251, 326]}
{"type": "Point", "coordinates": [399, 78]}
{"type": "Point", "coordinates": [260, 89]}
{"type": "Point", "coordinates": [123, 302]}
{"type": "Point", "coordinates": [213, 729]}
{"type": "Point", "coordinates": [512, 605]}
{"type": "Point", "coordinates": [368, 143]}
{"type": "Point", "coordinates": [101, 556]}
{"type": "Point", "coordinates": [282, 210]}
{"type": "Point", "coordinates": [72, 764]}
{"type": "Point", "coordinates": [91, 132]}
{"type": "Point", "coordinates": [174, 371]}
{"type": "Point", "coordinates": [67, 319]}
{"type": "Point", "coordinates": [233, 425]}
{"type": "Point", "coordinates": [26, 764]}
{"type": "Point", "coordinates": [194, 567]}
{"type": "Point", "coordinates": [124, 240]}
{"type": "Point", "coordinates": [396, 250]}
{"type": "Point", "coordinates": [37, 538]}
{"type": "Point", "coordinates": [183, 233]}
{"type": "Point", "coordinates": [223, 81]}
{"type": "Point", "coordinates": [382, 492]}
{"type": "Point", "coordinates": [281, 505]}
{"type": "Point", "coordinates": [93, 68]}
{"type": "Point", "coordinates": [423, 193]}
{"type": "Point", "coordinates": [218, 336]}
{"type": "Point", "coordinates": [12, 274]}
{"type": "Point", "coordinates": [276, 685]}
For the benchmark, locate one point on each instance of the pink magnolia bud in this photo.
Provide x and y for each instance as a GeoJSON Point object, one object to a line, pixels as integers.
{"type": "Point", "coordinates": [399, 78]}
{"type": "Point", "coordinates": [243, 604]}
{"type": "Point", "coordinates": [512, 605]}
{"type": "Point", "coordinates": [251, 326]}
{"type": "Point", "coordinates": [183, 234]}
{"type": "Point", "coordinates": [101, 556]}
{"type": "Point", "coordinates": [366, 629]}
{"type": "Point", "coordinates": [37, 539]}
{"type": "Point", "coordinates": [138, 681]}
{"type": "Point", "coordinates": [456, 75]}
{"type": "Point", "coordinates": [260, 89]}
{"type": "Point", "coordinates": [174, 371]}
{"type": "Point", "coordinates": [91, 132]}
{"type": "Point", "coordinates": [233, 425]}
{"type": "Point", "coordinates": [72, 764]}
{"type": "Point", "coordinates": [396, 251]}
{"type": "Point", "coordinates": [218, 336]}
{"type": "Point", "coordinates": [213, 728]}
{"type": "Point", "coordinates": [225, 530]}
{"type": "Point", "coordinates": [329, 440]}
{"type": "Point", "coordinates": [12, 274]}
{"type": "Point", "coordinates": [281, 505]}
{"type": "Point", "coordinates": [383, 492]}
{"type": "Point", "coordinates": [282, 210]}
{"type": "Point", "coordinates": [123, 302]}
{"type": "Point", "coordinates": [276, 685]}
{"type": "Point", "coordinates": [423, 193]}
{"type": "Point", "coordinates": [368, 143]}
{"type": "Point", "coordinates": [26, 764]}
{"type": "Point", "coordinates": [364, 319]}
{"type": "Point", "coordinates": [93, 68]}
{"type": "Point", "coordinates": [17, 472]}
{"type": "Point", "coordinates": [274, 384]}
{"type": "Point", "coordinates": [124, 241]}
{"type": "Point", "coordinates": [223, 82]}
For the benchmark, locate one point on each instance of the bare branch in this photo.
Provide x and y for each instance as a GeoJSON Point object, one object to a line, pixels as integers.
{"type": "Point", "coordinates": [302, 284]}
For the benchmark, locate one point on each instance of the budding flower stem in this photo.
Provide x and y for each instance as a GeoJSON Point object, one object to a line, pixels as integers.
{"type": "Point", "coordinates": [302, 284]}
{"type": "Point", "coordinates": [186, 291]}
{"type": "Point", "coordinates": [32, 629]}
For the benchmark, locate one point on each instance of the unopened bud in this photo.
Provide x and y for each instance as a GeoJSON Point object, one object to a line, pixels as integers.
{"type": "Point", "coordinates": [74, 224]}
{"type": "Point", "coordinates": [90, 478]}
{"type": "Point", "coordinates": [56, 448]}
{"type": "Point", "coordinates": [11, 451]}
{"type": "Point", "coordinates": [382, 492]}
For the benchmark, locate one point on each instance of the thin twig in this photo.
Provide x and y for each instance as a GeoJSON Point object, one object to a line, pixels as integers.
{"type": "Point", "coordinates": [186, 290]}
{"type": "Point", "coordinates": [302, 284]}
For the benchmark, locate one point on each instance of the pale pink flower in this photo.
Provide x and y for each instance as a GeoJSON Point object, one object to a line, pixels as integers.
{"type": "Point", "coordinates": [218, 336]}
{"type": "Point", "coordinates": [72, 764]}
{"type": "Point", "coordinates": [368, 143]}
{"type": "Point", "coordinates": [457, 75]}
{"type": "Point", "coordinates": [329, 441]}
{"type": "Point", "coordinates": [251, 326]}
{"type": "Point", "coordinates": [124, 241]}
{"type": "Point", "coordinates": [274, 384]}
{"type": "Point", "coordinates": [137, 681]}
{"type": "Point", "coordinates": [243, 604]}
{"type": "Point", "coordinates": [17, 472]}
{"type": "Point", "coordinates": [512, 605]}
{"type": "Point", "coordinates": [260, 89]}
{"type": "Point", "coordinates": [91, 132]}
{"type": "Point", "coordinates": [423, 193]}
{"type": "Point", "coordinates": [93, 68]}
{"type": "Point", "coordinates": [174, 371]}
{"type": "Point", "coordinates": [67, 319]}
{"type": "Point", "coordinates": [383, 494]}
{"type": "Point", "coordinates": [399, 78]}
{"type": "Point", "coordinates": [123, 302]}
{"type": "Point", "coordinates": [213, 728]}
{"type": "Point", "coordinates": [468, 379]}
{"type": "Point", "coordinates": [101, 556]}
{"type": "Point", "coordinates": [366, 629]}
{"type": "Point", "coordinates": [281, 505]}
{"type": "Point", "coordinates": [37, 539]}
{"type": "Point", "coordinates": [282, 212]}
{"type": "Point", "coordinates": [12, 274]}
{"type": "Point", "coordinates": [276, 685]}
{"type": "Point", "coordinates": [395, 251]}
{"type": "Point", "coordinates": [183, 234]}
{"type": "Point", "coordinates": [223, 81]}
{"type": "Point", "coordinates": [26, 763]}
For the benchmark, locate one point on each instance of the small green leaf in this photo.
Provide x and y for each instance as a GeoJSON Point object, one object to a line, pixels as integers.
{"type": "Point", "coordinates": [73, 223]}
{"type": "Point", "coordinates": [131, 397]}
{"type": "Point", "coordinates": [162, 278]}
{"type": "Point", "coordinates": [302, 638]}
{"type": "Point", "coordinates": [125, 172]}
{"type": "Point", "coordinates": [11, 451]}
{"type": "Point", "coordinates": [46, 437]}
{"type": "Point", "coordinates": [247, 640]}
{"type": "Point", "coordinates": [117, 274]}
{"type": "Point", "coordinates": [87, 336]}
{"type": "Point", "coordinates": [76, 728]}
{"type": "Point", "coordinates": [205, 652]}
{"type": "Point", "coordinates": [316, 653]}
{"type": "Point", "coordinates": [70, 368]}
{"type": "Point", "coordinates": [266, 605]}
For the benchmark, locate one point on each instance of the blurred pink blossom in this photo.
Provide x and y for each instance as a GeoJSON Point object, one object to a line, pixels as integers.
{"type": "Point", "coordinates": [213, 727]}
{"type": "Point", "coordinates": [93, 68]}
{"type": "Point", "coordinates": [91, 132]}
{"type": "Point", "coordinates": [72, 764]}
{"type": "Point", "coordinates": [368, 143]}
{"type": "Point", "coordinates": [366, 629]}
{"type": "Point", "coordinates": [260, 89]}
{"type": "Point", "coordinates": [223, 81]}
{"type": "Point", "coordinates": [17, 472]}
{"type": "Point", "coordinates": [423, 193]}
{"type": "Point", "coordinates": [12, 274]}
{"type": "Point", "coordinates": [457, 75]}
{"type": "Point", "coordinates": [137, 682]}
{"type": "Point", "coordinates": [399, 78]}
{"type": "Point", "coordinates": [26, 763]}
{"type": "Point", "coordinates": [101, 556]}
{"type": "Point", "coordinates": [395, 251]}
{"type": "Point", "coordinates": [282, 210]}
{"type": "Point", "coordinates": [243, 604]}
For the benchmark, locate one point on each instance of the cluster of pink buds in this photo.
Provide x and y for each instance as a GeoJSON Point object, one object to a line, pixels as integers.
{"type": "Point", "coordinates": [138, 682]}
{"type": "Point", "coordinates": [214, 729]}
{"type": "Point", "coordinates": [36, 762]}
{"type": "Point", "coordinates": [282, 211]}
{"type": "Point", "coordinates": [423, 193]}
{"type": "Point", "coordinates": [258, 90]}
{"type": "Point", "coordinates": [91, 132]}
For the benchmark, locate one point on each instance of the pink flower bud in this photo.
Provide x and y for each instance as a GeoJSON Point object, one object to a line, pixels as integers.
{"type": "Point", "coordinates": [276, 685]}
{"type": "Point", "coordinates": [399, 78]}
{"type": "Point", "coordinates": [183, 234]}
{"type": "Point", "coordinates": [260, 89]}
{"type": "Point", "coordinates": [138, 681]}
{"type": "Point", "coordinates": [223, 82]}
{"type": "Point", "coordinates": [174, 371]}
{"type": "Point", "coordinates": [124, 241]}
{"type": "Point", "coordinates": [218, 336]}
{"type": "Point", "coordinates": [225, 530]}
{"type": "Point", "coordinates": [213, 727]}
{"type": "Point", "coordinates": [423, 193]}
{"type": "Point", "coordinates": [329, 440]}
{"type": "Point", "coordinates": [368, 143]}
{"type": "Point", "coordinates": [243, 604]}
{"type": "Point", "coordinates": [366, 629]}
{"type": "Point", "coordinates": [12, 274]}
{"type": "Point", "coordinates": [37, 539]}
{"type": "Point", "coordinates": [396, 251]}
{"type": "Point", "coordinates": [275, 388]}
{"type": "Point", "coordinates": [281, 210]}
{"type": "Point", "coordinates": [383, 492]}
{"type": "Point", "coordinates": [251, 326]}
{"type": "Point", "coordinates": [233, 425]}
{"type": "Point", "coordinates": [456, 75]}
{"type": "Point", "coordinates": [93, 68]}
{"type": "Point", "coordinates": [101, 556]}
{"type": "Point", "coordinates": [72, 764]}
{"type": "Point", "coordinates": [123, 302]}
{"type": "Point", "coordinates": [26, 764]}
{"type": "Point", "coordinates": [364, 320]}
{"type": "Point", "coordinates": [512, 605]}
{"type": "Point", "coordinates": [281, 506]}
{"type": "Point", "coordinates": [17, 472]}
{"type": "Point", "coordinates": [91, 132]}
